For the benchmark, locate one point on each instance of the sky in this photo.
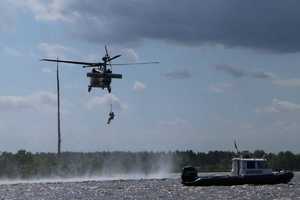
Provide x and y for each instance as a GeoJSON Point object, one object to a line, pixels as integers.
{"type": "Point", "coordinates": [229, 70]}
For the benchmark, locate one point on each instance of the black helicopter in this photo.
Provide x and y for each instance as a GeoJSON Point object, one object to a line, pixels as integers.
{"type": "Point", "coordinates": [101, 74]}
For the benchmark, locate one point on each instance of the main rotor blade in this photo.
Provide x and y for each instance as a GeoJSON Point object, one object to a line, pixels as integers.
{"type": "Point", "coordinates": [106, 51]}
{"type": "Point", "coordinates": [73, 62]}
{"type": "Point", "coordinates": [117, 56]}
{"type": "Point", "coordinates": [138, 63]}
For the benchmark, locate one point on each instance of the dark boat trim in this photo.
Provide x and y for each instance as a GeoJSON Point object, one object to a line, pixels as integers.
{"type": "Point", "coordinates": [274, 178]}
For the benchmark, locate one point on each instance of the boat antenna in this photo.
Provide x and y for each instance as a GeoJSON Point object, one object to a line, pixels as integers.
{"type": "Point", "coordinates": [236, 147]}
{"type": "Point", "coordinates": [58, 110]}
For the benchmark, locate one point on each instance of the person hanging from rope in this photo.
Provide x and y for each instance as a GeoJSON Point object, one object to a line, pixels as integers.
{"type": "Point", "coordinates": [111, 115]}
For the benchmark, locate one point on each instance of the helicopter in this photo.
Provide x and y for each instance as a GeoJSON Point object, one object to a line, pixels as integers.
{"type": "Point", "coordinates": [101, 74]}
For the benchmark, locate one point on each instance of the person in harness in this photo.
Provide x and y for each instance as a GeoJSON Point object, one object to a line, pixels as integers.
{"type": "Point", "coordinates": [111, 115]}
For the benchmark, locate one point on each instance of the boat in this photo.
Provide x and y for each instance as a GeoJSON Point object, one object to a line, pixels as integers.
{"type": "Point", "coordinates": [253, 171]}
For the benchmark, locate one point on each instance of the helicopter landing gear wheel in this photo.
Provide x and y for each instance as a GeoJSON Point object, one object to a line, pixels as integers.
{"type": "Point", "coordinates": [89, 88]}
{"type": "Point", "coordinates": [109, 89]}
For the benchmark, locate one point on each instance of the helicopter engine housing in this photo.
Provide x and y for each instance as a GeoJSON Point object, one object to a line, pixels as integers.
{"type": "Point", "coordinates": [103, 75]}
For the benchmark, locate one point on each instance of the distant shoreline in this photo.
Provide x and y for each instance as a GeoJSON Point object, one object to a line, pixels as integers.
{"type": "Point", "coordinates": [26, 165]}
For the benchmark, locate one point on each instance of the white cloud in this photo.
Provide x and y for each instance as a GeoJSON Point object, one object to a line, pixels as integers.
{"type": "Point", "coordinates": [177, 126]}
{"type": "Point", "coordinates": [7, 16]}
{"type": "Point", "coordinates": [220, 87]}
{"type": "Point", "coordinates": [46, 70]}
{"type": "Point", "coordinates": [106, 100]}
{"type": "Point", "coordinates": [54, 50]}
{"type": "Point", "coordinates": [130, 54]}
{"type": "Point", "coordinates": [239, 72]}
{"type": "Point", "coordinates": [53, 10]}
{"type": "Point", "coordinates": [178, 74]}
{"type": "Point", "coordinates": [175, 123]}
{"type": "Point", "coordinates": [287, 82]}
{"type": "Point", "coordinates": [37, 101]}
{"type": "Point", "coordinates": [12, 52]}
{"type": "Point", "coordinates": [278, 106]}
{"type": "Point", "coordinates": [263, 75]}
{"type": "Point", "coordinates": [139, 86]}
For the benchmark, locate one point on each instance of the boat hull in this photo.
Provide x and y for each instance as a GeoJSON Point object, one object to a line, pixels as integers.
{"type": "Point", "coordinates": [274, 178]}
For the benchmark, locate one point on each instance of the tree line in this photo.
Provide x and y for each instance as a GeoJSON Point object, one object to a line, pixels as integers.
{"type": "Point", "coordinates": [24, 164]}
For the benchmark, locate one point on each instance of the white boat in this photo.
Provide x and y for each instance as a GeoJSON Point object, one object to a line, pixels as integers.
{"type": "Point", "coordinates": [244, 171]}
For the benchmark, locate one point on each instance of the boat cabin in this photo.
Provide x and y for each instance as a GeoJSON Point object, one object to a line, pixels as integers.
{"type": "Point", "coordinates": [249, 166]}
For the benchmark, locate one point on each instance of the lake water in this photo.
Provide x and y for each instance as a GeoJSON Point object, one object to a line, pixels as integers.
{"type": "Point", "coordinates": [152, 188]}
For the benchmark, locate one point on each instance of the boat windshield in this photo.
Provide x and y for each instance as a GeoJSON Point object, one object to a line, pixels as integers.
{"type": "Point", "coordinates": [262, 165]}
{"type": "Point", "coordinates": [250, 164]}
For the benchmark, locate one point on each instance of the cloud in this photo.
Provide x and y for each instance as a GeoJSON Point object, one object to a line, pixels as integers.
{"type": "Point", "coordinates": [46, 10]}
{"type": "Point", "coordinates": [130, 54]}
{"type": "Point", "coordinates": [37, 101]}
{"type": "Point", "coordinates": [238, 72]}
{"type": "Point", "coordinates": [231, 70]}
{"type": "Point", "coordinates": [278, 106]}
{"type": "Point", "coordinates": [178, 74]}
{"type": "Point", "coordinates": [12, 52]}
{"type": "Point", "coordinates": [54, 50]}
{"type": "Point", "coordinates": [46, 70]}
{"type": "Point", "coordinates": [220, 87]}
{"type": "Point", "coordinates": [7, 16]}
{"type": "Point", "coordinates": [232, 23]}
{"type": "Point", "coordinates": [262, 75]}
{"type": "Point", "coordinates": [106, 100]}
{"type": "Point", "coordinates": [127, 54]}
{"type": "Point", "coordinates": [287, 82]}
{"type": "Point", "coordinates": [139, 86]}
{"type": "Point", "coordinates": [176, 126]}
{"type": "Point", "coordinates": [175, 123]}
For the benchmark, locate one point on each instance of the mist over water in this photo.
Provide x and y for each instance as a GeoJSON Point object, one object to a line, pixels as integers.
{"type": "Point", "coordinates": [166, 188]}
{"type": "Point", "coordinates": [110, 170]}
{"type": "Point", "coordinates": [108, 177]}
{"type": "Point", "coordinates": [89, 178]}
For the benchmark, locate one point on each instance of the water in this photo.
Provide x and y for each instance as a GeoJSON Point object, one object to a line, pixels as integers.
{"type": "Point", "coordinates": [163, 188]}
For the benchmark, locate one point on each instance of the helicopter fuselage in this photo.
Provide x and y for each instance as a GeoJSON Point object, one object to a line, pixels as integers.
{"type": "Point", "coordinates": [102, 80]}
